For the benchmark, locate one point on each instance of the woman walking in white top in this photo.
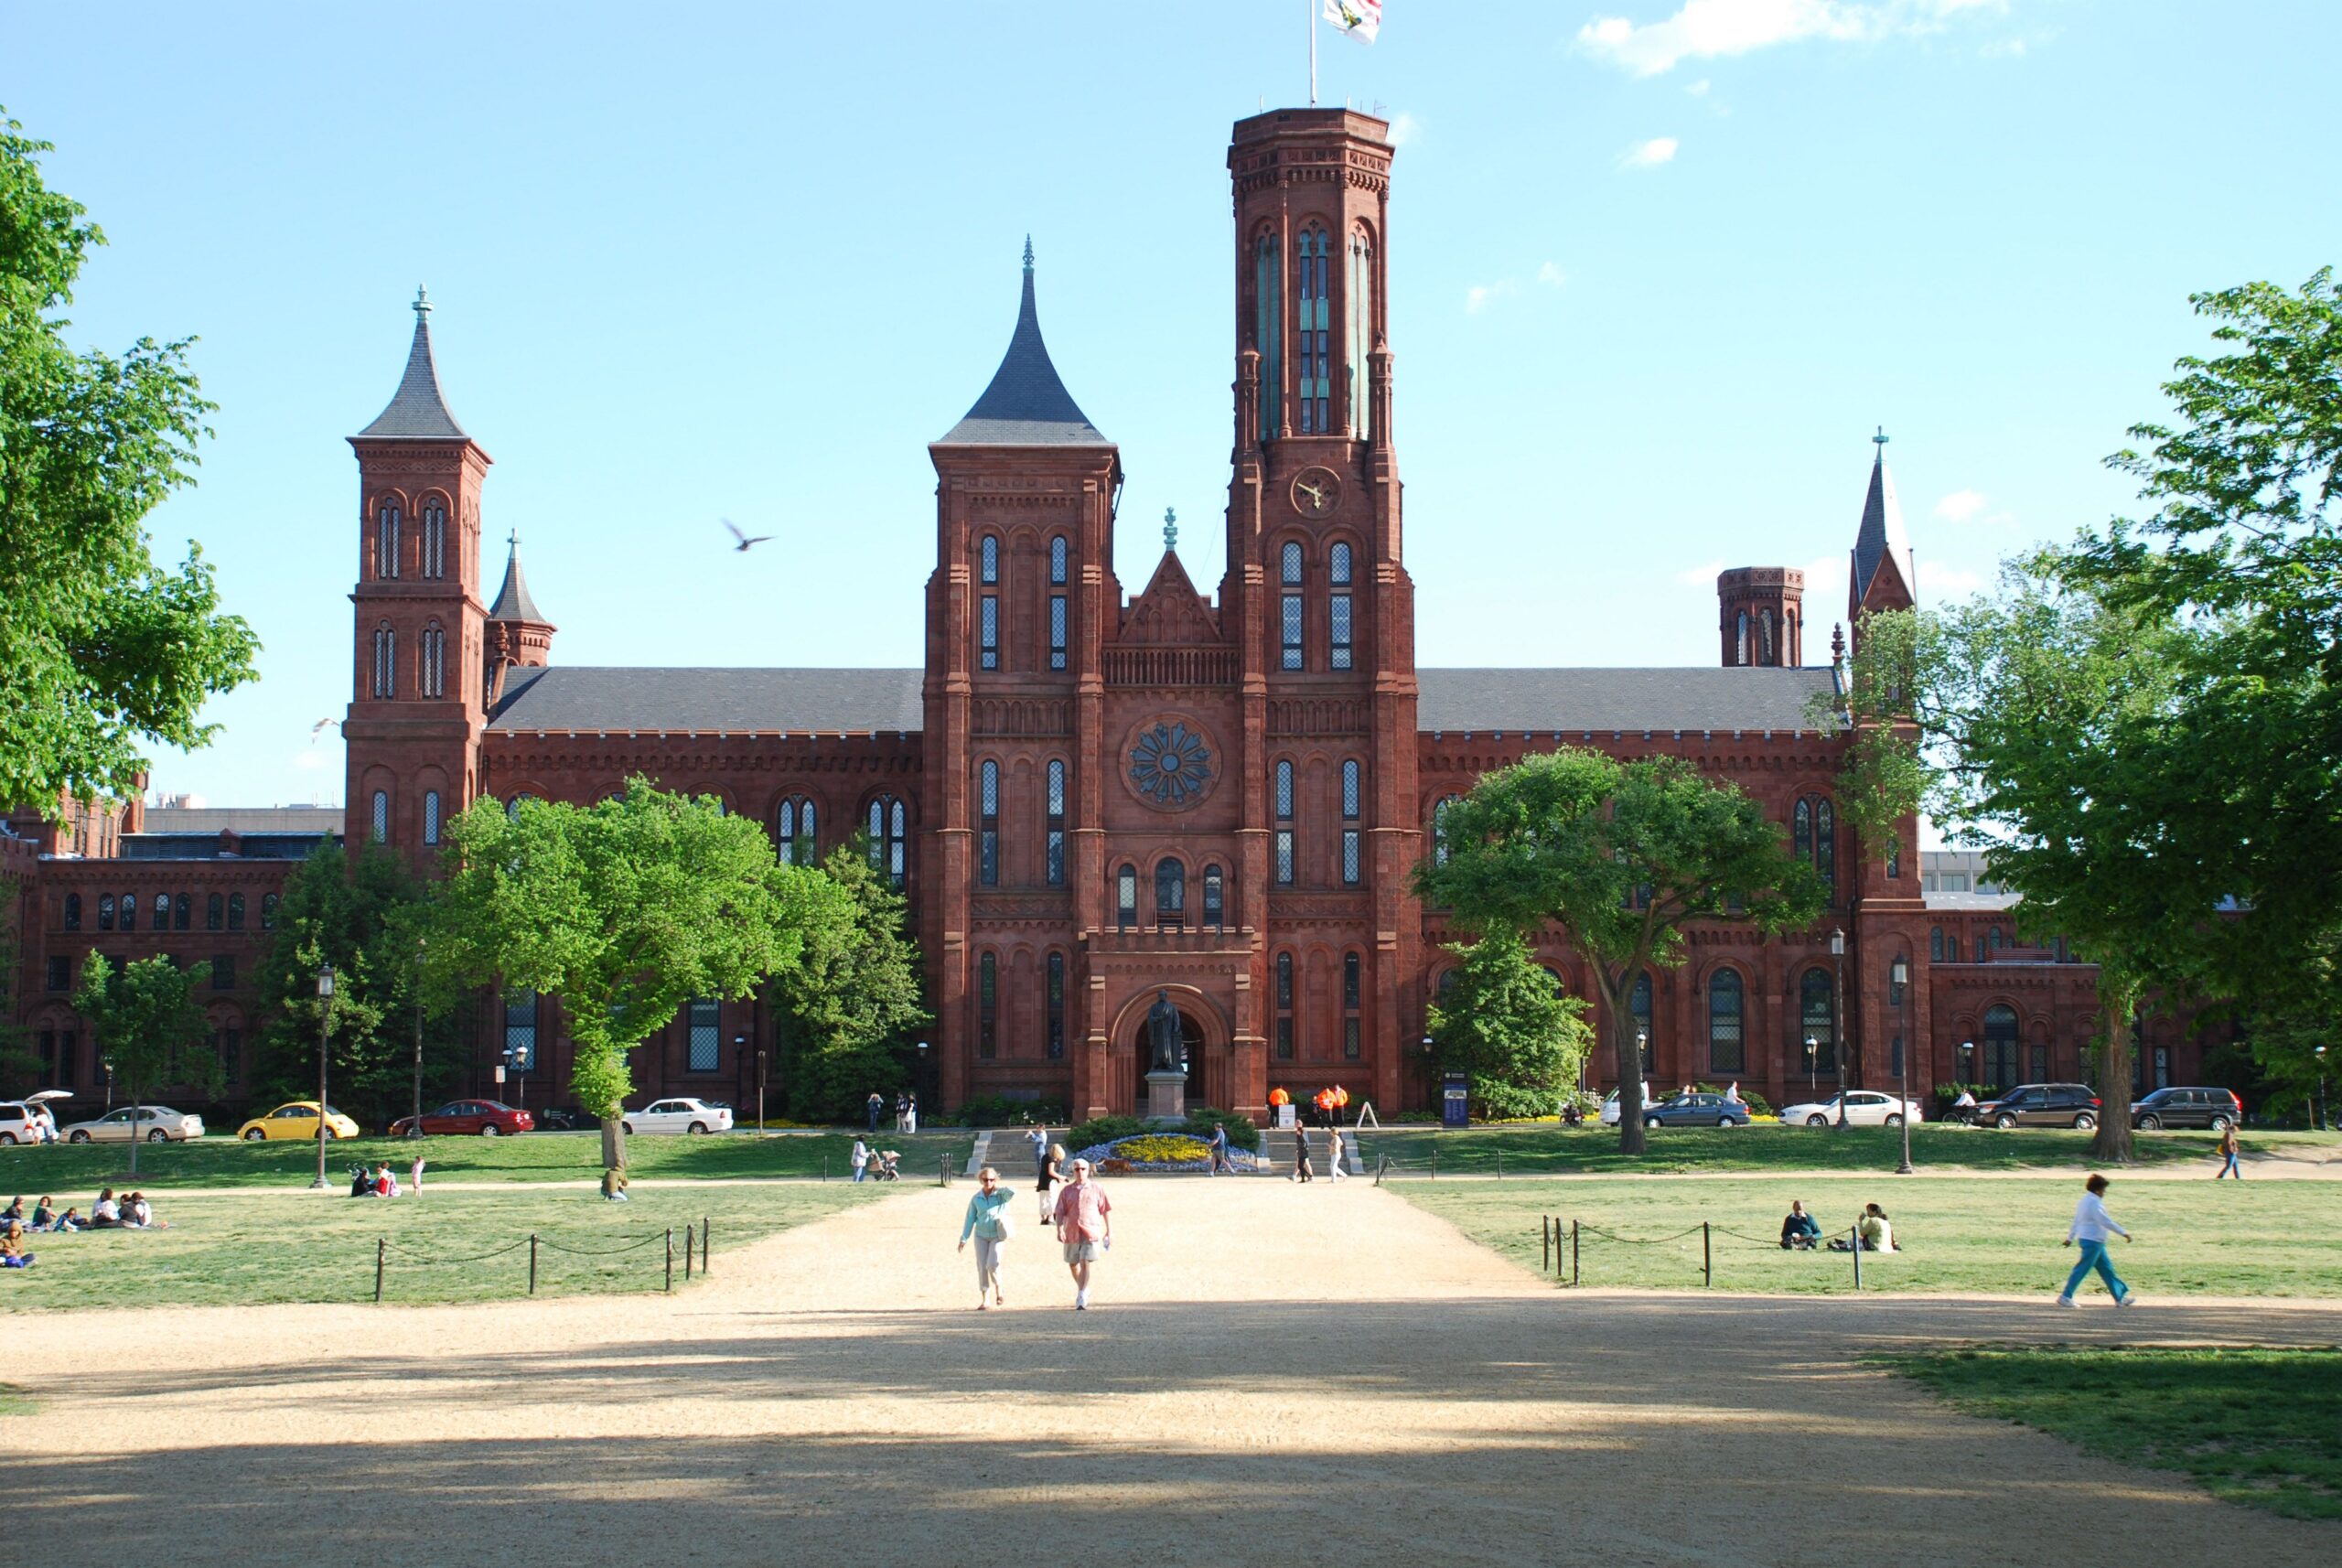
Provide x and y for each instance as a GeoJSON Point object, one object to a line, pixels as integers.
{"type": "Point", "coordinates": [2091, 1229]}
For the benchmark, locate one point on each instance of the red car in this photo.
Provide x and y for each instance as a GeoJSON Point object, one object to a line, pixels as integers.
{"type": "Point", "coordinates": [489, 1118]}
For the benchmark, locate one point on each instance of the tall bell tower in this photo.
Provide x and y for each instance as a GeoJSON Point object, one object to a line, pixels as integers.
{"type": "Point", "coordinates": [418, 666]}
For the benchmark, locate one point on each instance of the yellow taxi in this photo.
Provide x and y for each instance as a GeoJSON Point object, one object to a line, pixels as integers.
{"type": "Point", "coordinates": [297, 1120]}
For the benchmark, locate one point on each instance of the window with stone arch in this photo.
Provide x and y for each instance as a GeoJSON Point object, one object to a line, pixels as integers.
{"type": "Point", "coordinates": [1289, 617]}
{"type": "Point", "coordinates": [268, 911]}
{"type": "Point", "coordinates": [1357, 340]}
{"type": "Point", "coordinates": [105, 911]}
{"type": "Point", "coordinates": [72, 911]}
{"type": "Point", "coordinates": [1268, 328]}
{"type": "Point", "coordinates": [386, 540]}
{"type": "Point", "coordinates": [1813, 836]}
{"type": "Point", "coordinates": [434, 539]}
{"type": "Point", "coordinates": [888, 822]}
{"type": "Point", "coordinates": [1170, 893]}
{"type": "Point", "coordinates": [1053, 851]}
{"type": "Point", "coordinates": [431, 661]}
{"type": "Point", "coordinates": [380, 830]}
{"type": "Point", "coordinates": [1765, 638]}
{"type": "Point", "coordinates": [235, 911]}
{"type": "Point", "coordinates": [431, 816]}
{"type": "Point", "coordinates": [1353, 871]}
{"type": "Point", "coordinates": [215, 912]}
{"type": "Point", "coordinates": [1439, 811]}
{"type": "Point", "coordinates": [1058, 613]}
{"type": "Point", "coordinates": [797, 829]}
{"type": "Point", "coordinates": [1818, 1020]}
{"type": "Point", "coordinates": [2000, 1064]}
{"type": "Point", "coordinates": [1727, 1032]}
{"type": "Point", "coordinates": [1284, 819]}
{"type": "Point", "coordinates": [1127, 899]}
{"type": "Point", "coordinates": [1214, 898]}
{"type": "Point", "coordinates": [988, 823]}
{"type": "Point", "coordinates": [1740, 640]}
{"type": "Point", "coordinates": [1934, 944]}
{"type": "Point", "coordinates": [1337, 607]}
{"type": "Point", "coordinates": [386, 660]}
{"type": "Point", "coordinates": [1056, 1005]}
{"type": "Point", "coordinates": [1313, 330]}
{"type": "Point", "coordinates": [1353, 999]}
{"type": "Point", "coordinates": [1285, 1007]}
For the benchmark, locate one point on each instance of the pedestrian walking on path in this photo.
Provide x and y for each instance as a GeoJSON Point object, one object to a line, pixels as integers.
{"type": "Point", "coordinates": [1040, 1138]}
{"type": "Point", "coordinates": [988, 1223]}
{"type": "Point", "coordinates": [1219, 1148]}
{"type": "Point", "coordinates": [2090, 1230]}
{"type": "Point", "coordinates": [2228, 1154]}
{"type": "Point", "coordinates": [1052, 1164]}
{"type": "Point", "coordinates": [1085, 1229]}
{"type": "Point", "coordinates": [859, 1158]}
{"type": "Point", "coordinates": [1302, 1170]}
{"type": "Point", "coordinates": [875, 1104]}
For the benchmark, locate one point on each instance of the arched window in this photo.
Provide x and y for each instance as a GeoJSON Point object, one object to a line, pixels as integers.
{"type": "Point", "coordinates": [1268, 328]}
{"type": "Point", "coordinates": [1352, 872]}
{"type": "Point", "coordinates": [382, 824]}
{"type": "Point", "coordinates": [431, 816]}
{"type": "Point", "coordinates": [1314, 337]}
{"type": "Point", "coordinates": [1992, 938]}
{"type": "Point", "coordinates": [988, 561]}
{"type": "Point", "coordinates": [1170, 893]}
{"type": "Point", "coordinates": [215, 912]}
{"type": "Point", "coordinates": [386, 540]}
{"type": "Point", "coordinates": [72, 911]}
{"type": "Point", "coordinates": [268, 911]}
{"type": "Point", "coordinates": [1639, 1009]}
{"type": "Point", "coordinates": [235, 911]}
{"type": "Point", "coordinates": [800, 838]}
{"type": "Point", "coordinates": [1353, 998]}
{"type": "Point", "coordinates": [1285, 1007]}
{"type": "Point", "coordinates": [105, 911]}
{"type": "Point", "coordinates": [1057, 1005]}
{"type": "Point", "coordinates": [162, 912]}
{"type": "Point", "coordinates": [988, 1006]}
{"type": "Point", "coordinates": [1054, 868]}
{"type": "Point", "coordinates": [1127, 899]}
{"type": "Point", "coordinates": [1359, 342]}
{"type": "Point", "coordinates": [1818, 1020]}
{"type": "Point", "coordinates": [1740, 640]}
{"type": "Point", "coordinates": [988, 823]}
{"type": "Point", "coordinates": [431, 661]}
{"type": "Point", "coordinates": [1289, 605]}
{"type": "Point", "coordinates": [1058, 603]}
{"type": "Point", "coordinates": [129, 911]}
{"type": "Point", "coordinates": [1934, 944]}
{"type": "Point", "coordinates": [520, 1031]}
{"type": "Point", "coordinates": [1284, 803]}
{"type": "Point", "coordinates": [1825, 846]}
{"type": "Point", "coordinates": [1056, 561]}
{"type": "Point", "coordinates": [1802, 830]}
{"type": "Point", "coordinates": [1727, 1036]}
{"type": "Point", "coordinates": [1895, 855]}
{"type": "Point", "coordinates": [1214, 909]}
{"type": "Point", "coordinates": [1439, 828]}
{"type": "Point", "coordinates": [386, 660]}
{"type": "Point", "coordinates": [512, 806]}
{"type": "Point", "coordinates": [1338, 607]}
{"type": "Point", "coordinates": [889, 823]}
{"type": "Point", "coordinates": [183, 912]}
{"type": "Point", "coordinates": [2000, 1064]}
{"type": "Point", "coordinates": [434, 539]}
{"type": "Point", "coordinates": [1765, 638]}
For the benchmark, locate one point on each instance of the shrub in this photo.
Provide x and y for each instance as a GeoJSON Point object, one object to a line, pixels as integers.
{"type": "Point", "coordinates": [1000, 1110]}
{"type": "Point", "coordinates": [1105, 1129]}
{"type": "Point", "coordinates": [1242, 1132]}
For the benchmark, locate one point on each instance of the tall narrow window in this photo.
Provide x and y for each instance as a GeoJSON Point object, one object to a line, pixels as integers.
{"type": "Point", "coordinates": [1058, 612]}
{"type": "Point", "coordinates": [162, 911]}
{"type": "Point", "coordinates": [1054, 851]}
{"type": "Point", "coordinates": [1285, 824]}
{"type": "Point", "coordinates": [1818, 1018]}
{"type": "Point", "coordinates": [1740, 640]}
{"type": "Point", "coordinates": [1351, 871]}
{"type": "Point", "coordinates": [1353, 995]}
{"type": "Point", "coordinates": [1895, 856]}
{"type": "Point", "coordinates": [434, 539]}
{"type": "Point", "coordinates": [1289, 607]}
{"type": "Point", "coordinates": [72, 911]}
{"type": "Point", "coordinates": [386, 541]}
{"type": "Point", "coordinates": [1313, 333]}
{"type": "Point", "coordinates": [235, 911]}
{"type": "Point", "coordinates": [988, 1006]}
{"type": "Point", "coordinates": [1057, 1005]}
{"type": "Point", "coordinates": [1268, 329]}
{"type": "Point", "coordinates": [183, 912]}
{"type": "Point", "coordinates": [988, 632]}
{"type": "Point", "coordinates": [1338, 608]}
{"type": "Point", "coordinates": [105, 911]}
{"type": "Point", "coordinates": [1727, 1041]}
{"type": "Point", "coordinates": [1171, 894]}
{"type": "Point", "coordinates": [386, 660]}
{"type": "Point", "coordinates": [431, 661]}
{"type": "Point", "coordinates": [988, 823]}
{"type": "Point", "coordinates": [520, 1031]}
{"type": "Point", "coordinates": [1638, 1008]}
{"type": "Point", "coordinates": [215, 912]}
{"type": "Point", "coordinates": [1213, 897]}
{"type": "Point", "coordinates": [890, 839]}
{"type": "Point", "coordinates": [1999, 1063]}
{"type": "Point", "coordinates": [382, 826]}
{"type": "Point", "coordinates": [1439, 828]}
{"type": "Point", "coordinates": [1825, 846]}
{"type": "Point", "coordinates": [268, 911]}
{"type": "Point", "coordinates": [1802, 830]}
{"type": "Point", "coordinates": [431, 816]}
{"type": "Point", "coordinates": [1765, 638]}
{"type": "Point", "coordinates": [1126, 897]}
{"type": "Point", "coordinates": [988, 561]}
{"type": "Point", "coordinates": [1934, 944]}
{"type": "Point", "coordinates": [129, 911]}
{"type": "Point", "coordinates": [1056, 561]}
{"type": "Point", "coordinates": [798, 837]}
{"type": "Point", "coordinates": [1894, 986]}
{"type": "Point", "coordinates": [1284, 1006]}
{"type": "Point", "coordinates": [1359, 342]}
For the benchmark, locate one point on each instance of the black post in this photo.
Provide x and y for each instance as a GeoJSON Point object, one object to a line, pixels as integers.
{"type": "Point", "coordinates": [1858, 1257]}
{"type": "Point", "coordinates": [671, 1257]}
{"type": "Point", "coordinates": [380, 1247]}
{"type": "Point", "coordinates": [825, 1166]}
{"type": "Point", "coordinates": [1573, 1251]}
{"type": "Point", "coordinates": [691, 1243]}
{"type": "Point", "coordinates": [1545, 1240]}
{"type": "Point", "coordinates": [1435, 1160]}
{"type": "Point", "coordinates": [704, 1229]}
{"type": "Point", "coordinates": [533, 1263]}
{"type": "Point", "coordinates": [1707, 1257]}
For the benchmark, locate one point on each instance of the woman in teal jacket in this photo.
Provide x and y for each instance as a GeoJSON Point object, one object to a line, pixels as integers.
{"type": "Point", "coordinates": [988, 1222]}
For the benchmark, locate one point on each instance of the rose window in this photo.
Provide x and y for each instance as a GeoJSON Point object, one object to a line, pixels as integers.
{"type": "Point", "coordinates": [1170, 765]}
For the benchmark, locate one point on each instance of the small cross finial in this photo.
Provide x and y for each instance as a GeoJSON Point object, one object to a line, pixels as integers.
{"type": "Point", "coordinates": [422, 303]}
{"type": "Point", "coordinates": [1028, 252]}
{"type": "Point", "coordinates": [1880, 441]}
{"type": "Point", "coordinates": [513, 539]}
{"type": "Point", "coordinates": [1170, 530]}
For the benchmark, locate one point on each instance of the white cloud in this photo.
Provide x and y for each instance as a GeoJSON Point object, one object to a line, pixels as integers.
{"type": "Point", "coordinates": [1938, 581]}
{"type": "Point", "coordinates": [1701, 576]}
{"type": "Point", "coordinates": [1552, 276]}
{"type": "Point", "coordinates": [1404, 128]}
{"type": "Point", "coordinates": [1711, 30]}
{"type": "Point", "coordinates": [1698, 88]}
{"type": "Point", "coordinates": [1961, 505]}
{"type": "Point", "coordinates": [1480, 295]}
{"type": "Point", "coordinates": [1651, 154]}
{"type": "Point", "coordinates": [307, 760]}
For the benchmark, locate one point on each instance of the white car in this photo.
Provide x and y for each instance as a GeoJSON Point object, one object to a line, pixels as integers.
{"type": "Point", "coordinates": [677, 1116]}
{"type": "Point", "coordinates": [1864, 1108]}
{"type": "Point", "coordinates": [29, 1120]}
{"type": "Point", "coordinates": [157, 1124]}
{"type": "Point", "coordinates": [1609, 1117]}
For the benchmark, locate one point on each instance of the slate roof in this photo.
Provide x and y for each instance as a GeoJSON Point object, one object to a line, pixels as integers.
{"type": "Point", "coordinates": [1882, 532]}
{"type": "Point", "coordinates": [854, 701]}
{"type": "Point", "coordinates": [1027, 404]}
{"type": "Point", "coordinates": [512, 601]}
{"type": "Point", "coordinates": [418, 410]}
{"type": "Point", "coordinates": [1746, 698]}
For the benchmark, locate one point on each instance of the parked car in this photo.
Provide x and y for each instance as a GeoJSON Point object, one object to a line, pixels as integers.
{"type": "Point", "coordinates": [155, 1123]}
{"type": "Point", "coordinates": [677, 1116]}
{"type": "Point", "coordinates": [297, 1119]}
{"type": "Point", "coordinates": [2217, 1109]}
{"type": "Point", "coordinates": [486, 1118]}
{"type": "Point", "coordinates": [566, 1119]}
{"type": "Point", "coordinates": [2041, 1105]}
{"type": "Point", "coordinates": [1864, 1108]}
{"type": "Point", "coordinates": [1696, 1111]}
{"type": "Point", "coordinates": [29, 1120]}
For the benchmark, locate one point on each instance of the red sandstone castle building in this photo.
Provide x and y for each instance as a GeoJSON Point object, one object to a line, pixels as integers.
{"type": "Point", "coordinates": [1091, 796]}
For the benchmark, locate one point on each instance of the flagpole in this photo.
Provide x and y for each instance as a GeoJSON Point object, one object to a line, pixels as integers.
{"type": "Point", "coordinates": [1312, 8]}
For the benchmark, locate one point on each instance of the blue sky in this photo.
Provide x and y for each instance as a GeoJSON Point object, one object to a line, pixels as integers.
{"type": "Point", "coordinates": [1658, 270]}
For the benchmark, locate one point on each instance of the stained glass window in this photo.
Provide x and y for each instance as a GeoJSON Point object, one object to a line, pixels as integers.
{"type": "Point", "coordinates": [1268, 328]}
{"type": "Point", "coordinates": [988, 823]}
{"type": "Point", "coordinates": [1313, 335]}
{"type": "Point", "coordinates": [1055, 870]}
{"type": "Point", "coordinates": [1170, 893]}
{"type": "Point", "coordinates": [1727, 1048]}
{"type": "Point", "coordinates": [434, 539]}
{"type": "Point", "coordinates": [1212, 897]}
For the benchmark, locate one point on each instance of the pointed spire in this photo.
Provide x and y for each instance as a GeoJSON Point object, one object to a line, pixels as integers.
{"type": "Point", "coordinates": [418, 410]}
{"type": "Point", "coordinates": [512, 601]}
{"type": "Point", "coordinates": [1881, 540]}
{"type": "Point", "coordinates": [1027, 404]}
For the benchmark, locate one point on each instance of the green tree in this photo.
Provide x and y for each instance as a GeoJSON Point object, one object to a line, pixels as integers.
{"type": "Point", "coordinates": [1623, 856]}
{"type": "Point", "coordinates": [624, 910]}
{"type": "Point", "coordinates": [106, 651]}
{"type": "Point", "coordinates": [144, 1016]}
{"type": "Point", "coordinates": [848, 1006]}
{"type": "Point", "coordinates": [1505, 1024]}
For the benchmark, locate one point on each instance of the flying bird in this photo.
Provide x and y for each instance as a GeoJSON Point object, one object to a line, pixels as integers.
{"type": "Point", "coordinates": [321, 726]}
{"type": "Point", "coordinates": [745, 540]}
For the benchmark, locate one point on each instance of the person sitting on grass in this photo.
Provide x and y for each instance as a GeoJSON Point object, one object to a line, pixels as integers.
{"type": "Point", "coordinates": [614, 1185]}
{"type": "Point", "coordinates": [139, 1216]}
{"type": "Point", "coordinates": [1877, 1235]}
{"type": "Point", "coordinates": [105, 1214]}
{"type": "Point", "coordinates": [385, 1183]}
{"type": "Point", "coordinates": [1800, 1231]}
{"type": "Point", "coordinates": [44, 1216]}
{"type": "Point", "coordinates": [11, 1247]}
{"type": "Point", "coordinates": [16, 1210]}
{"type": "Point", "coordinates": [361, 1181]}
{"type": "Point", "coordinates": [70, 1222]}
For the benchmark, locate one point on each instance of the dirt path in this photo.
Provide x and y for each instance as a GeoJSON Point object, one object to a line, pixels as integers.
{"type": "Point", "coordinates": [1272, 1372]}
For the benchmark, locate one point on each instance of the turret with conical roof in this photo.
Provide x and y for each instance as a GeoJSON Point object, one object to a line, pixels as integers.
{"type": "Point", "coordinates": [418, 411]}
{"type": "Point", "coordinates": [1884, 573]}
{"type": "Point", "coordinates": [1027, 404]}
{"type": "Point", "coordinates": [518, 632]}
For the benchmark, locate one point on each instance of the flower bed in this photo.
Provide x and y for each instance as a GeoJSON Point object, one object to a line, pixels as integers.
{"type": "Point", "coordinates": [1158, 1152]}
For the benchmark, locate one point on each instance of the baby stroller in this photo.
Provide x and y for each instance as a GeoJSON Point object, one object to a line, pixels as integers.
{"type": "Point", "coordinates": [882, 1165]}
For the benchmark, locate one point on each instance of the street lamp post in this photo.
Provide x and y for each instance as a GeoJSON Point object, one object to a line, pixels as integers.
{"type": "Point", "coordinates": [1839, 1047]}
{"type": "Point", "coordinates": [414, 1128]}
{"type": "Point", "coordinates": [922, 1071]}
{"type": "Point", "coordinates": [1642, 1068]}
{"type": "Point", "coordinates": [1812, 1085]}
{"type": "Point", "coordinates": [1901, 975]}
{"type": "Point", "coordinates": [739, 1042]}
{"type": "Point", "coordinates": [2320, 1089]}
{"type": "Point", "coordinates": [1966, 1061]}
{"type": "Point", "coordinates": [324, 1034]}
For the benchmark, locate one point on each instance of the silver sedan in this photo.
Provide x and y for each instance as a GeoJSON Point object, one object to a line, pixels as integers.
{"type": "Point", "coordinates": [155, 1123]}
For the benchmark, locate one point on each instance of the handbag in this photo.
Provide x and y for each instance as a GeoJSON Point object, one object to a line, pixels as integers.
{"type": "Point", "coordinates": [1006, 1225]}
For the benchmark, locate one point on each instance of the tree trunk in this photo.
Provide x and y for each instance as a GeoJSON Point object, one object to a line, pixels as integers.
{"type": "Point", "coordinates": [1629, 1063]}
{"type": "Point", "coordinates": [613, 1140]}
{"type": "Point", "coordinates": [2118, 1001]}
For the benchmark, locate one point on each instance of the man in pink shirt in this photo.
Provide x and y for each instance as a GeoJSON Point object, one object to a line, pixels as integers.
{"type": "Point", "coordinates": [1084, 1227]}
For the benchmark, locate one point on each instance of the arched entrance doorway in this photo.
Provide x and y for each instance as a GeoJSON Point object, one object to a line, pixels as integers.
{"type": "Point", "coordinates": [1133, 1054]}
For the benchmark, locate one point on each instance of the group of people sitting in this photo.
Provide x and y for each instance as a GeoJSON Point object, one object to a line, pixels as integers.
{"type": "Point", "coordinates": [1873, 1231]}
{"type": "Point", "coordinates": [379, 1182]}
{"type": "Point", "coordinates": [129, 1212]}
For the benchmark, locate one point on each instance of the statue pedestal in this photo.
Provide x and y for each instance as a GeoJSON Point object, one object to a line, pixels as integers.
{"type": "Point", "coordinates": [1167, 1097]}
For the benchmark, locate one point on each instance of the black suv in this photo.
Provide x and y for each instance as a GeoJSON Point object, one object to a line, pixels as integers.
{"type": "Point", "coordinates": [2215, 1108]}
{"type": "Point", "coordinates": [2041, 1105]}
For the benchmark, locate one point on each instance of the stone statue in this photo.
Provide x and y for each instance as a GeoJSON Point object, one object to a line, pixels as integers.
{"type": "Point", "coordinates": [1163, 1035]}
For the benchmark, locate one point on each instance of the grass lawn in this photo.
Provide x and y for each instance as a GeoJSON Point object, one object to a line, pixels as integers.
{"type": "Point", "coordinates": [238, 1250]}
{"type": "Point", "coordinates": [1554, 1149]}
{"type": "Point", "coordinates": [73, 1173]}
{"type": "Point", "coordinates": [2001, 1235]}
{"type": "Point", "coordinates": [2257, 1426]}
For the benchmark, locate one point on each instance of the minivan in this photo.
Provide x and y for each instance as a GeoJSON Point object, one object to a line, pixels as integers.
{"type": "Point", "coordinates": [2041, 1105]}
{"type": "Point", "coordinates": [2215, 1108]}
